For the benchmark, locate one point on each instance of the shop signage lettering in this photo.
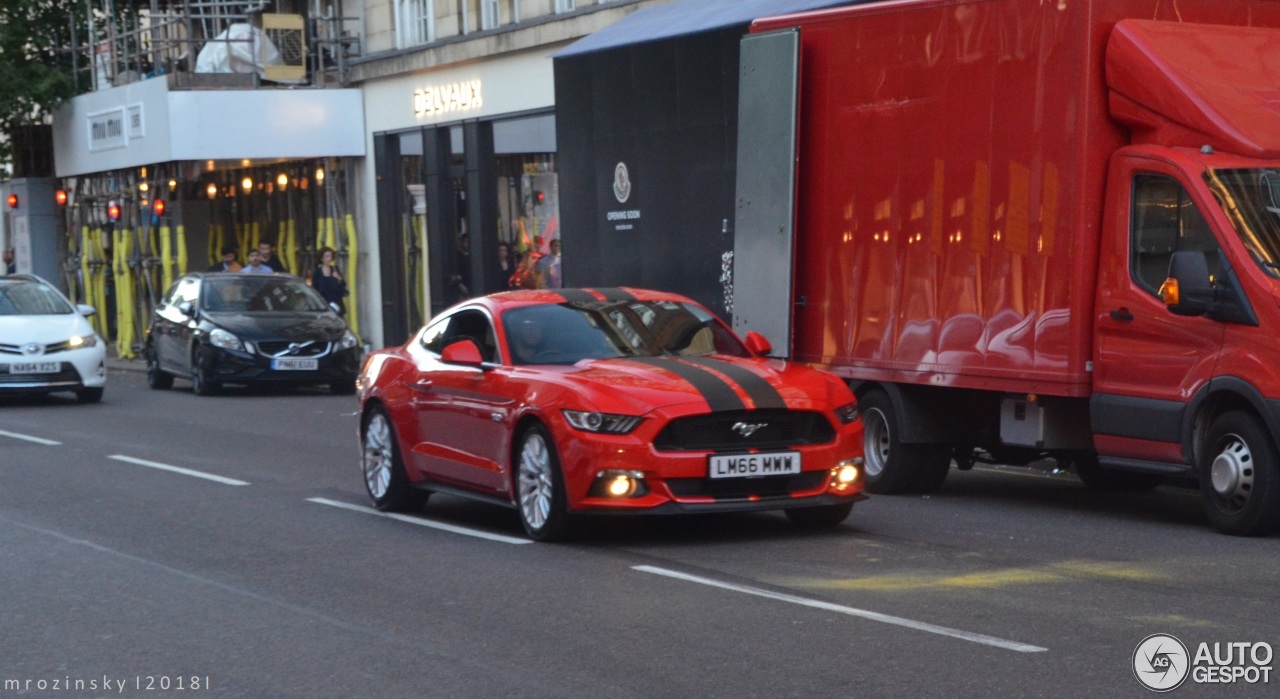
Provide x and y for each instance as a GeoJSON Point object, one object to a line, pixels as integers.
{"type": "Point", "coordinates": [443, 99]}
{"type": "Point", "coordinates": [107, 130]}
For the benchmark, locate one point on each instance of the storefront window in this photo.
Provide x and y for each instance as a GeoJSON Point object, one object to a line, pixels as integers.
{"type": "Point", "coordinates": [413, 228]}
{"type": "Point", "coordinates": [528, 203]}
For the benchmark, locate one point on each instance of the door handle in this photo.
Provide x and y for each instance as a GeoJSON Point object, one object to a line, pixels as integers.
{"type": "Point", "coordinates": [423, 386]}
{"type": "Point", "coordinates": [1121, 314]}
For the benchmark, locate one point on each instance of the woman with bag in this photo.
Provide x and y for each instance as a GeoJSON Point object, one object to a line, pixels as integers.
{"type": "Point", "coordinates": [327, 280]}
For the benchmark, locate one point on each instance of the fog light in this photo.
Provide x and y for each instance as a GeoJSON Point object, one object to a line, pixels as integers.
{"type": "Point", "coordinates": [621, 487]}
{"type": "Point", "coordinates": [619, 484]}
{"type": "Point", "coordinates": [846, 472]}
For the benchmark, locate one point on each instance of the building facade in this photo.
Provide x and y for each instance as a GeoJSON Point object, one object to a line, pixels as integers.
{"type": "Point", "coordinates": [412, 136]}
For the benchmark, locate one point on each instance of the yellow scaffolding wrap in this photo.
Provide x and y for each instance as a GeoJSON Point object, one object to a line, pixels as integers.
{"type": "Point", "coordinates": [182, 251]}
{"type": "Point", "coordinates": [166, 258]}
{"type": "Point", "coordinates": [353, 314]}
{"type": "Point", "coordinates": [291, 254]}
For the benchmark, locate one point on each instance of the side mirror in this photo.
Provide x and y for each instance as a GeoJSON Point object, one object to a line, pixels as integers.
{"type": "Point", "coordinates": [1188, 290]}
{"type": "Point", "coordinates": [758, 345]}
{"type": "Point", "coordinates": [86, 310]}
{"type": "Point", "coordinates": [464, 351]}
{"type": "Point", "coordinates": [186, 308]}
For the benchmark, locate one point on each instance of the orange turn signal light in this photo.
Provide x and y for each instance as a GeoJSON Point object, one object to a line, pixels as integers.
{"type": "Point", "coordinates": [1170, 293]}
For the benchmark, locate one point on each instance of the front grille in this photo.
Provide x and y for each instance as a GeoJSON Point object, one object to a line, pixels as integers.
{"type": "Point", "coordinates": [67, 374]}
{"type": "Point", "coordinates": [777, 429]}
{"type": "Point", "coordinates": [741, 488]}
{"type": "Point", "coordinates": [48, 349]}
{"type": "Point", "coordinates": [280, 348]}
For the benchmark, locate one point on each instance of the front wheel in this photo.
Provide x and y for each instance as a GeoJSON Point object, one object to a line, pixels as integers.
{"type": "Point", "coordinates": [157, 379]}
{"type": "Point", "coordinates": [539, 486]}
{"type": "Point", "coordinates": [385, 480]}
{"type": "Point", "coordinates": [893, 467]}
{"type": "Point", "coordinates": [822, 517]}
{"type": "Point", "coordinates": [201, 384]}
{"type": "Point", "coordinates": [1240, 476]}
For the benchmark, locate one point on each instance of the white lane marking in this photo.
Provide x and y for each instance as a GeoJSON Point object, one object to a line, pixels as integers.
{"type": "Point", "coordinates": [178, 469]}
{"type": "Point", "coordinates": [422, 522]}
{"type": "Point", "coordinates": [851, 611]}
{"type": "Point", "coordinates": [29, 438]}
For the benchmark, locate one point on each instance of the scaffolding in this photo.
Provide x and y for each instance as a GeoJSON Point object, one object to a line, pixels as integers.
{"type": "Point", "coordinates": [126, 41]}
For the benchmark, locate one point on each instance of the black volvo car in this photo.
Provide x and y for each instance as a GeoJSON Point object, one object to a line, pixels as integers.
{"type": "Point", "coordinates": [217, 328]}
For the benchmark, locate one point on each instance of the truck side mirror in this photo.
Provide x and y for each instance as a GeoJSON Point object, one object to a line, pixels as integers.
{"type": "Point", "coordinates": [1188, 290]}
{"type": "Point", "coordinates": [758, 345]}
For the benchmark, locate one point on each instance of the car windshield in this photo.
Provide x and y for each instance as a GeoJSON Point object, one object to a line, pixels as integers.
{"type": "Point", "coordinates": [1251, 199]}
{"type": "Point", "coordinates": [569, 332]}
{"type": "Point", "coordinates": [261, 294]}
{"type": "Point", "coordinates": [31, 298]}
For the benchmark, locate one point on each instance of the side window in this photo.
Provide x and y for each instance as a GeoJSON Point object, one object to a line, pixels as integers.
{"type": "Point", "coordinates": [1165, 221]}
{"type": "Point", "coordinates": [475, 325]}
{"type": "Point", "coordinates": [433, 338]}
{"type": "Point", "coordinates": [186, 290]}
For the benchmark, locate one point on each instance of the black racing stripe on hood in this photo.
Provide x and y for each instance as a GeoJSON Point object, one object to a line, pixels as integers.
{"type": "Point", "coordinates": [719, 395]}
{"type": "Point", "coordinates": [762, 393]}
{"type": "Point", "coordinates": [577, 296]}
{"type": "Point", "coordinates": [614, 294]}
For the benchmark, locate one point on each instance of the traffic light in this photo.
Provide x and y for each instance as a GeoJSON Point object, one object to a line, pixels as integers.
{"type": "Point", "coordinates": [13, 201]}
{"type": "Point", "coordinates": [157, 207]}
{"type": "Point", "coordinates": [60, 196]}
{"type": "Point", "coordinates": [539, 197]}
{"type": "Point", "coordinates": [113, 212]}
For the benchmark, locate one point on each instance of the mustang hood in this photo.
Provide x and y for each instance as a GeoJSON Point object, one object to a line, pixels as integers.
{"type": "Point", "coordinates": [294, 327]}
{"type": "Point", "coordinates": [720, 383]}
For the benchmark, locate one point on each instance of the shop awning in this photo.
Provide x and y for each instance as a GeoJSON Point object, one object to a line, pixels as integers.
{"type": "Point", "coordinates": [685, 17]}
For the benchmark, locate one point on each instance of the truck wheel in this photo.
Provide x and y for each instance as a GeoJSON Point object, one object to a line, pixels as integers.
{"type": "Point", "coordinates": [893, 467]}
{"type": "Point", "coordinates": [1240, 476]}
{"type": "Point", "coordinates": [1095, 477]}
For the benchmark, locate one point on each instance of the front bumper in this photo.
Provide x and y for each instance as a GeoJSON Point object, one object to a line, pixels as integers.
{"type": "Point", "coordinates": [680, 482]}
{"type": "Point", "coordinates": [238, 366]}
{"type": "Point", "coordinates": [79, 368]}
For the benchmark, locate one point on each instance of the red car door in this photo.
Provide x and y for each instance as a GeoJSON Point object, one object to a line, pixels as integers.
{"type": "Point", "coordinates": [462, 410]}
{"type": "Point", "coordinates": [1148, 362]}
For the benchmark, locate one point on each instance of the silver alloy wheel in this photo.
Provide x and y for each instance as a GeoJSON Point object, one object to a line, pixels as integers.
{"type": "Point", "coordinates": [1232, 472]}
{"type": "Point", "coordinates": [875, 441]}
{"type": "Point", "coordinates": [378, 460]}
{"type": "Point", "coordinates": [536, 486]}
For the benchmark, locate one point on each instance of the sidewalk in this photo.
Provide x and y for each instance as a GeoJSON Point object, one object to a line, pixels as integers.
{"type": "Point", "coordinates": [115, 363]}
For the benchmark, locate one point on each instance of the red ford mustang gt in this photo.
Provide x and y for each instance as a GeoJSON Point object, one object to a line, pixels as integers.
{"type": "Point", "coordinates": [595, 401]}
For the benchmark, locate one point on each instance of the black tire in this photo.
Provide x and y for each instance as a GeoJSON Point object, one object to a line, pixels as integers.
{"type": "Point", "coordinates": [89, 395]}
{"type": "Point", "coordinates": [345, 387]}
{"type": "Point", "coordinates": [1095, 477]}
{"type": "Point", "coordinates": [893, 467]}
{"type": "Point", "coordinates": [539, 485]}
{"type": "Point", "coordinates": [1240, 476]}
{"type": "Point", "coordinates": [201, 384]}
{"type": "Point", "coordinates": [157, 379]}
{"type": "Point", "coordinates": [385, 480]}
{"type": "Point", "coordinates": [822, 517]}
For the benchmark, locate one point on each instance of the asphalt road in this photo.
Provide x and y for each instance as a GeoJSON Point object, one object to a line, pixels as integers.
{"type": "Point", "coordinates": [259, 572]}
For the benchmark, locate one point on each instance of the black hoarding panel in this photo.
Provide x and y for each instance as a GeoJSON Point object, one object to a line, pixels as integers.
{"type": "Point", "coordinates": [647, 143]}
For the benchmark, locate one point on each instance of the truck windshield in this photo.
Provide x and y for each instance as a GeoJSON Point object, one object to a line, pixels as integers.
{"type": "Point", "coordinates": [1251, 199]}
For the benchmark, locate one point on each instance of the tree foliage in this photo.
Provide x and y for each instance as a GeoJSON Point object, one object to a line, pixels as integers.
{"type": "Point", "coordinates": [35, 60]}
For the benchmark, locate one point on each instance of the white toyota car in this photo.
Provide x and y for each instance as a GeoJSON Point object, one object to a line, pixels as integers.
{"type": "Point", "coordinates": [47, 343]}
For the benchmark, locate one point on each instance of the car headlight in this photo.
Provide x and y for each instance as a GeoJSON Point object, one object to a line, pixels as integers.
{"type": "Point", "coordinates": [605, 423]}
{"type": "Point", "coordinates": [78, 341]}
{"type": "Point", "coordinates": [348, 341]}
{"type": "Point", "coordinates": [847, 413]}
{"type": "Point", "coordinates": [221, 338]}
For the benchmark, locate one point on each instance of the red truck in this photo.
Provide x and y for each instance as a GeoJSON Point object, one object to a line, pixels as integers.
{"type": "Point", "coordinates": [1027, 229]}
